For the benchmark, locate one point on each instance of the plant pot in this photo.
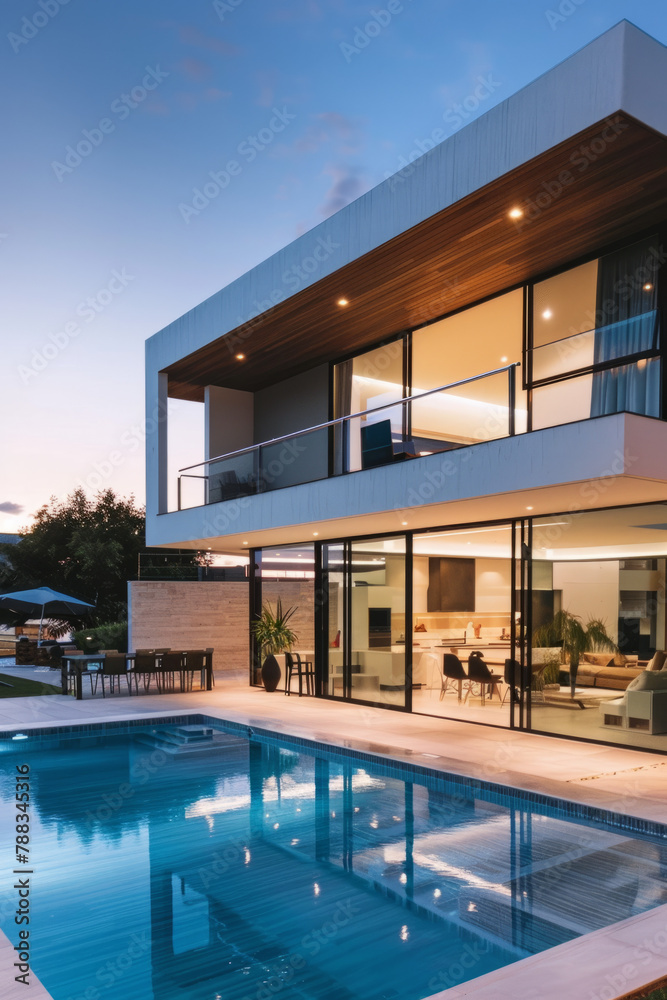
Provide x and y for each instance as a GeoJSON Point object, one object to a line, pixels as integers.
{"type": "Point", "coordinates": [270, 673]}
{"type": "Point", "coordinates": [574, 667]}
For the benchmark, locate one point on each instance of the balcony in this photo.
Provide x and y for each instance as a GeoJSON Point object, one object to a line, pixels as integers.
{"type": "Point", "coordinates": [449, 417]}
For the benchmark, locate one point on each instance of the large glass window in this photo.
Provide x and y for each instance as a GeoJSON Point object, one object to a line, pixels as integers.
{"type": "Point", "coordinates": [603, 584]}
{"type": "Point", "coordinates": [286, 576]}
{"type": "Point", "coordinates": [463, 603]}
{"type": "Point", "coordinates": [366, 627]}
{"type": "Point", "coordinates": [369, 381]}
{"type": "Point", "coordinates": [586, 318]}
{"type": "Point", "coordinates": [477, 340]}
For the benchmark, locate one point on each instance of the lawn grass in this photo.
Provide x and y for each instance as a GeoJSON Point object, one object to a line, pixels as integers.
{"type": "Point", "coordinates": [21, 687]}
{"type": "Point", "coordinates": [652, 994]}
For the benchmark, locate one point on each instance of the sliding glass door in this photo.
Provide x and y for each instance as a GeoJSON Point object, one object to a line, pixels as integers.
{"type": "Point", "coordinates": [365, 621]}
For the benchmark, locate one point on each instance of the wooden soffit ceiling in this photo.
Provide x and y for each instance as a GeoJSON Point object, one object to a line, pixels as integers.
{"type": "Point", "coordinates": [465, 253]}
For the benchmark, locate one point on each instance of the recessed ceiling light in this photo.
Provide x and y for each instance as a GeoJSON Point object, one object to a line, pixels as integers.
{"type": "Point", "coordinates": [343, 302]}
{"type": "Point", "coordinates": [404, 523]}
{"type": "Point", "coordinates": [315, 534]}
{"type": "Point", "coordinates": [648, 287]}
{"type": "Point", "coordinates": [530, 508]}
{"type": "Point", "coordinates": [240, 357]}
{"type": "Point", "coordinates": [300, 556]}
{"type": "Point", "coordinates": [516, 213]}
{"type": "Point", "coordinates": [245, 543]}
{"type": "Point", "coordinates": [547, 314]}
{"type": "Point", "coordinates": [503, 359]}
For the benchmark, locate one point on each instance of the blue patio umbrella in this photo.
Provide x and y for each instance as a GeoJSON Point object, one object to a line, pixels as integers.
{"type": "Point", "coordinates": [32, 603]}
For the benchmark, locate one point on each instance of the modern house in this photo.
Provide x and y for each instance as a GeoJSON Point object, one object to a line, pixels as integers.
{"type": "Point", "coordinates": [441, 417]}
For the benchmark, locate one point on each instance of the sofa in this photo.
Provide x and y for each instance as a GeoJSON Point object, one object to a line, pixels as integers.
{"type": "Point", "coordinates": [643, 706]}
{"type": "Point", "coordinates": [603, 670]}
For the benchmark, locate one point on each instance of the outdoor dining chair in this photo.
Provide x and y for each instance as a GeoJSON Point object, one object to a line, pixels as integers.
{"type": "Point", "coordinates": [193, 660]}
{"type": "Point", "coordinates": [145, 666]}
{"type": "Point", "coordinates": [114, 668]}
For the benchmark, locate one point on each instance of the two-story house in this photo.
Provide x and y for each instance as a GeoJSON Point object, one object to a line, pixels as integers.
{"type": "Point", "coordinates": [443, 411]}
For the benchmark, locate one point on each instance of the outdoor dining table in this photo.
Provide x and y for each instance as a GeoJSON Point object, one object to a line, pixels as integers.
{"type": "Point", "coordinates": [78, 665]}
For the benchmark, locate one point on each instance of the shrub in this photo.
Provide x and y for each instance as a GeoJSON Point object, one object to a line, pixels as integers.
{"type": "Point", "coordinates": [111, 635]}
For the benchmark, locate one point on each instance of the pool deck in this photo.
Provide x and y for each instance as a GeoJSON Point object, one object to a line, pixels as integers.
{"type": "Point", "coordinates": [603, 965]}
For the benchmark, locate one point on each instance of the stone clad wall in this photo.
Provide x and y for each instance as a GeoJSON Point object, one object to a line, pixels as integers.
{"type": "Point", "coordinates": [193, 615]}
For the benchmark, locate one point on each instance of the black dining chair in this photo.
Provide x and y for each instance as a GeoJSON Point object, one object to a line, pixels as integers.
{"type": "Point", "coordinates": [194, 660]}
{"type": "Point", "coordinates": [453, 676]}
{"type": "Point", "coordinates": [114, 668]}
{"type": "Point", "coordinates": [171, 663]}
{"type": "Point", "coordinates": [512, 678]}
{"type": "Point", "coordinates": [145, 666]}
{"type": "Point", "coordinates": [307, 669]}
{"type": "Point", "coordinates": [479, 673]}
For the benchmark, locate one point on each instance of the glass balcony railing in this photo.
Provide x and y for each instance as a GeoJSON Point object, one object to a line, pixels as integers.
{"type": "Point", "coordinates": [480, 408]}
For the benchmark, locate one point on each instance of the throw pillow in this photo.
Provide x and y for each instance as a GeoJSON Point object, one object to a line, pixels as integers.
{"type": "Point", "coordinates": [649, 680]}
{"type": "Point", "coordinates": [657, 661]}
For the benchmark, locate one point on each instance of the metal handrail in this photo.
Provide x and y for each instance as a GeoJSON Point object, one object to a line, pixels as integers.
{"type": "Point", "coordinates": [363, 413]}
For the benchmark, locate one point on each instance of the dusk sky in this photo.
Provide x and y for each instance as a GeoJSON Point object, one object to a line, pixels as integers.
{"type": "Point", "coordinates": [114, 113]}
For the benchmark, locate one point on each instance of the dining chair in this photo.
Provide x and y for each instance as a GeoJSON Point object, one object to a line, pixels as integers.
{"type": "Point", "coordinates": [170, 664]}
{"type": "Point", "coordinates": [92, 675]}
{"type": "Point", "coordinates": [512, 678]}
{"type": "Point", "coordinates": [193, 660]}
{"type": "Point", "coordinates": [479, 673]}
{"type": "Point", "coordinates": [307, 669]}
{"type": "Point", "coordinates": [114, 667]}
{"type": "Point", "coordinates": [291, 668]}
{"type": "Point", "coordinates": [209, 653]}
{"type": "Point", "coordinates": [145, 666]}
{"type": "Point", "coordinates": [453, 676]}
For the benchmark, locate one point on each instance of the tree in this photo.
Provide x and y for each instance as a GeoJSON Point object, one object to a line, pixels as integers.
{"type": "Point", "coordinates": [83, 547]}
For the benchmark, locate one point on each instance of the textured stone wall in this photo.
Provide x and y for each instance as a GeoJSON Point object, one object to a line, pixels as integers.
{"type": "Point", "coordinates": [193, 615]}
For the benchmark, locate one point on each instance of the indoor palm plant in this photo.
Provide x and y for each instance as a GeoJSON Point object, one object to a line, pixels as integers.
{"type": "Point", "coordinates": [568, 631]}
{"type": "Point", "coordinates": [273, 635]}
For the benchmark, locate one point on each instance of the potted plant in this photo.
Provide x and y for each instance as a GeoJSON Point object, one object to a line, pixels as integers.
{"type": "Point", "coordinates": [566, 630]}
{"type": "Point", "coordinates": [273, 635]}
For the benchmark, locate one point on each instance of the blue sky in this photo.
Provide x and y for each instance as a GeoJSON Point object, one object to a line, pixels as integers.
{"type": "Point", "coordinates": [100, 247]}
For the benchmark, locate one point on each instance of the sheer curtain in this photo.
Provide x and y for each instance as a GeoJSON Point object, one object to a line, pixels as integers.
{"type": "Point", "coordinates": [626, 322]}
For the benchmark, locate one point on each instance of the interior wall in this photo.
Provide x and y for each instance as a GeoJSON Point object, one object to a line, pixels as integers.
{"type": "Point", "coordinates": [590, 590]}
{"type": "Point", "coordinates": [493, 588]}
{"type": "Point", "coordinates": [292, 405]}
{"type": "Point", "coordinates": [228, 421]}
{"type": "Point", "coordinates": [493, 585]}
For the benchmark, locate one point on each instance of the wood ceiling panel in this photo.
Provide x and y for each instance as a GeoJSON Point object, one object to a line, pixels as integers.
{"type": "Point", "coordinates": [465, 253]}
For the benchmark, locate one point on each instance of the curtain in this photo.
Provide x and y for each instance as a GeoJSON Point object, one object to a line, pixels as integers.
{"type": "Point", "coordinates": [626, 322]}
{"type": "Point", "coordinates": [342, 403]}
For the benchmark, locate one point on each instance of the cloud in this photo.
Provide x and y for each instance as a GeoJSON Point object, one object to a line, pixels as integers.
{"type": "Point", "coordinates": [347, 184]}
{"type": "Point", "coordinates": [195, 69]}
{"type": "Point", "coordinates": [330, 126]}
{"type": "Point", "coordinates": [190, 35]}
{"type": "Point", "coordinates": [306, 10]}
{"type": "Point", "coordinates": [189, 100]}
{"type": "Point", "coordinates": [8, 507]}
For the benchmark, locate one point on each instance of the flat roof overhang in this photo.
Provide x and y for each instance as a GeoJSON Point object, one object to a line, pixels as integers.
{"type": "Point", "coordinates": [601, 186]}
{"type": "Point", "coordinates": [617, 460]}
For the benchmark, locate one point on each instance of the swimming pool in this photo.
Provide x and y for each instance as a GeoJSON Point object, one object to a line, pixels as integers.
{"type": "Point", "coordinates": [192, 859]}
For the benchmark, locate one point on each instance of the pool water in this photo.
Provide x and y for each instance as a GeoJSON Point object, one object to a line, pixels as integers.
{"type": "Point", "coordinates": [199, 864]}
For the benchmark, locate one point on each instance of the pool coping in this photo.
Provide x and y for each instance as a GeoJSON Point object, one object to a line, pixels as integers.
{"type": "Point", "coordinates": [594, 966]}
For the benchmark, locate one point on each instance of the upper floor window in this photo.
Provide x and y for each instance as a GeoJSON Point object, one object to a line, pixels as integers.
{"type": "Point", "coordinates": [596, 338]}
